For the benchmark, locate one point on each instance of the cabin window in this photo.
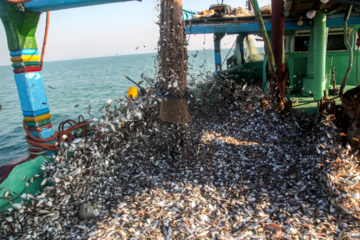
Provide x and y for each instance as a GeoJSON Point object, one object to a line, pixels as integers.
{"type": "Point", "coordinates": [302, 44]}
{"type": "Point", "coordinates": [336, 43]}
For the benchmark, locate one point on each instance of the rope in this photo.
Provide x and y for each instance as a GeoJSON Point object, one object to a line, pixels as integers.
{"type": "Point", "coordinates": [357, 64]}
{"type": "Point", "coordinates": [228, 53]}
{"type": "Point", "coordinates": [62, 134]}
{"type": "Point", "coordinates": [355, 111]}
{"type": "Point", "coordinates": [45, 38]}
{"type": "Point", "coordinates": [169, 93]}
{"type": "Point", "coordinates": [189, 33]}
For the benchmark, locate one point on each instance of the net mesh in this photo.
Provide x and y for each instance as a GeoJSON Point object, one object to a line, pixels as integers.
{"type": "Point", "coordinates": [256, 56]}
{"type": "Point", "coordinates": [173, 63]}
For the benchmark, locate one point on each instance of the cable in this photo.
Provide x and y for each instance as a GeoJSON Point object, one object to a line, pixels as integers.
{"type": "Point", "coordinates": [45, 38]}
{"type": "Point", "coordinates": [44, 143]}
{"type": "Point", "coordinates": [357, 64]}
{"type": "Point", "coordinates": [189, 33]}
{"type": "Point", "coordinates": [228, 52]}
{"type": "Point", "coordinates": [355, 108]}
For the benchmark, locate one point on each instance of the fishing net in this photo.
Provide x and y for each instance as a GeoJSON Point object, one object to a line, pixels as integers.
{"type": "Point", "coordinates": [254, 53]}
{"type": "Point", "coordinates": [242, 12]}
{"type": "Point", "coordinates": [173, 63]}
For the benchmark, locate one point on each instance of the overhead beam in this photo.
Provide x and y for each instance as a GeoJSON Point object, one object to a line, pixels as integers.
{"type": "Point", "coordinates": [248, 27]}
{"type": "Point", "coordinates": [52, 5]}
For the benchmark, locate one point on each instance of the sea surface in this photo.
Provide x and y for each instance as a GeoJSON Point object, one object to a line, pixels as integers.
{"type": "Point", "coordinates": [71, 85]}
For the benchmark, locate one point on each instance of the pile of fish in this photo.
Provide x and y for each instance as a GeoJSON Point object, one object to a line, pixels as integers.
{"type": "Point", "coordinates": [238, 170]}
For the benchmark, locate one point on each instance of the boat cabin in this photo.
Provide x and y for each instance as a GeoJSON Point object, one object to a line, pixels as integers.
{"type": "Point", "coordinates": [319, 46]}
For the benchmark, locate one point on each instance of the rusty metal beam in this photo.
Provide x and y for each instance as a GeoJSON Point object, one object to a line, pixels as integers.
{"type": "Point", "coordinates": [278, 37]}
{"type": "Point", "coordinates": [276, 91]}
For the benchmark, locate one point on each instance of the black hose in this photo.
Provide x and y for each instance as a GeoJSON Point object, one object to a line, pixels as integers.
{"type": "Point", "coordinates": [348, 47]}
{"type": "Point", "coordinates": [134, 82]}
{"type": "Point", "coordinates": [350, 2]}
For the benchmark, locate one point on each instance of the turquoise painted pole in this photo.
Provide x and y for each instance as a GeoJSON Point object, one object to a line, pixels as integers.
{"type": "Point", "coordinates": [217, 48]}
{"type": "Point", "coordinates": [20, 30]}
{"type": "Point", "coordinates": [240, 45]}
{"type": "Point", "coordinates": [320, 45]}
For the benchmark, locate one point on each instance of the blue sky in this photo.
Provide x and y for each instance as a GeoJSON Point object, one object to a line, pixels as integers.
{"type": "Point", "coordinates": [109, 29]}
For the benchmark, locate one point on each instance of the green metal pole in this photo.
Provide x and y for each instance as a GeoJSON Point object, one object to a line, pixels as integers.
{"type": "Point", "coordinates": [20, 27]}
{"type": "Point", "coordinates": [264, 34]}
{"type": "Point", "coordinates": [320, 46]}
{"type": "Point", "coordinates": [276, 89]}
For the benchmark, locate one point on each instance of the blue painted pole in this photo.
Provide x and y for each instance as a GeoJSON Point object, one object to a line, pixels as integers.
{"type": "Point", "coordinates": [20, 28]}
{"type": "Point", "coordinates": [30, 86]}
{"type": "Point", "coordinates": [217, 48]}
{"type": "Point", "coordinates": [240, 44]}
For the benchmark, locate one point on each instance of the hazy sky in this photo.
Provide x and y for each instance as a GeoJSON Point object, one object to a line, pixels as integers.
{"type": "Point", "coordinates": [109, 29]}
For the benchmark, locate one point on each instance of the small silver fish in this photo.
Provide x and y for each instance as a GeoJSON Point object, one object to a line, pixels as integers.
{"type": "Point", "coordinates": [6, 193]}
{"type": "Point", "coordinates": [43, 182]}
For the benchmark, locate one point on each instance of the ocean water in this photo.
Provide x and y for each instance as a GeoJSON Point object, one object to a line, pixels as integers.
{"type": "Point", "coordinates": [77, 82]}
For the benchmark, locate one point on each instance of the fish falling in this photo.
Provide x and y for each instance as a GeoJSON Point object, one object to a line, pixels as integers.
{"type": "Point", "coordinates": [239, 169]}
{"type": "Point", "coordinates": [244, 171]}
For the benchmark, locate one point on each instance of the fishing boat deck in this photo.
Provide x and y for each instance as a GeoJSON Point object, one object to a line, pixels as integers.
{"type": "Point", "coordinates": [243, 171]}
{"type": "Point", "coordinates": [307, 104]}
{"type": "Point", "coordinates": [240, 169]}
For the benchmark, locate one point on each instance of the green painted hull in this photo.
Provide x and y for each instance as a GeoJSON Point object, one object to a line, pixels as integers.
{"type": "Point", "coordinates": [17, 177]}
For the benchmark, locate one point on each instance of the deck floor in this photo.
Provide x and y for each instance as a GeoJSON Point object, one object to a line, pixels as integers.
{"type": "Point", "coordinates": [238, 170]}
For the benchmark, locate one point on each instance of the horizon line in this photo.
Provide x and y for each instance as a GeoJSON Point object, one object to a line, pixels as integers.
{"type": "Point", "coordinates": [82, 58]}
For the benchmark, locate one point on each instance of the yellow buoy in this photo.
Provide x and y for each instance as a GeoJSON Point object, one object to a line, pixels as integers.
{"type": "Point", "coordinates": [132, 92]}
